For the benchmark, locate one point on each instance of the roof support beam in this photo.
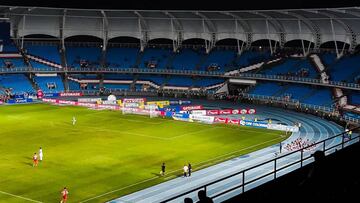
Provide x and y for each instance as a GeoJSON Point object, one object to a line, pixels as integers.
{"type": "Point", "coordinates": [23, 31]}
{"type": "Point", "coordinates": [350, 33]}
{"type": "Point", "coordinates": [62, 29]}
{"type": "Point", "coordinates": [176, 29]}
{"type": "Point", "coordinates": [246, 27]}
{"type": "Point", "coordinates": [105, 29]}
{"type": "Point", "coordinates": [211, 28]}
{"type": "Point", "coordinates": [312, 26]}
{"type": "Point", "coordinates": [302, 40]}
{"type": "Point", "coordinates": [143, 31]}
{"type": "Point", "coordinates": [276, 24]}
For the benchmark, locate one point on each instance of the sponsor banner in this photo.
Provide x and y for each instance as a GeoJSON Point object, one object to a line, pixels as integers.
{"type": "Point", "coordinates": [182, 119]}
{"type": "Point", "coordinates": [50, 100]}
{"type": "Point", "coordinates": [134, 100]}
{"type": "Point", "coordinates": [189, 108]}
{"type": "Point", "coordinates": [253, 124]}
{"type": "Point", "coordinates": [71, 94]}
{"type": "Point", "coordinates": [161, 104]}
{"type": "Point", "coordinates": [199, 112]}
{"type": "Point", "coordinates": [89, 100]}
{"type": "Point", "coordinates": [67, 102]}
{"type": "Point", "coordinates": [283, 127]}
{"type": "Point", "coordinates": [225, 112]}
{"type": "Point", "coordinates": [220, 120]}
{"type": "Point", "coordinates": [230, 111]}
{"type": "Point", "coordinates": [90, 105]}
{"type": "Point", "coordinates": [201, 118]}
{"type": "Point", "coordinates": [151, 107]}
{"type": "Point", "coordinates": [233, 121]}
{"type": "Point", "coordinates": [243, 111]}
{"type": "Point", "coordinates": [19, 96]}
{"type": "Point", "coordinates": [131, 105]}
{"type": "Point", "coordinates": [180, 102]}
{"type": "Point", "coordinates": [20, 101]}
{"type": "Point", "coordinates": [171, 108]}
{"type": "Point", "coordinates": [109, 102]}
{"type": "Point", "coordinates": [181, 115]}
{"type": "Point", "coordinates": [51, 95]}
{"type": "Point", "coordinates": [212, 112]}
{"type": "Point", "coordinates": [168, 113]}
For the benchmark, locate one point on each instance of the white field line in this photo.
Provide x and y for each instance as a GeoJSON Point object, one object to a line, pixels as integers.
{"type": "Point", "coordinates": [147, 180]}
{"type": "Point", "coordinates": [20, 197]}
{"type": "Point", "coordinates": [177, 136]}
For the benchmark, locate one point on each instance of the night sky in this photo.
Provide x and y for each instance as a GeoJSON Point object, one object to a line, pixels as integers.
{"type": "Point", "coordinates": [185, 4]}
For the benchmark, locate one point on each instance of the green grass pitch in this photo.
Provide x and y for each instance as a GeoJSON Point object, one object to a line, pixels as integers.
{"type": "Point", "coordinates": [106, 151]}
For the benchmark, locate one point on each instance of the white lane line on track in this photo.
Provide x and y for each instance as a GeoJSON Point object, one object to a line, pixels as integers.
{"type": "Point", "coordinates": [20, 197]}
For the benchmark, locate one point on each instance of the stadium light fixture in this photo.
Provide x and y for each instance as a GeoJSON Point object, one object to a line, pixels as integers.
{"type": "Point", "coordinates": [12, 8]}
{"type": "Point", "coordinates": [32, 8]}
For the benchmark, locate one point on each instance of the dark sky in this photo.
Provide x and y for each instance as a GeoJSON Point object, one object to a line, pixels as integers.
{"type": "Point", "coordinates": [185, 4]}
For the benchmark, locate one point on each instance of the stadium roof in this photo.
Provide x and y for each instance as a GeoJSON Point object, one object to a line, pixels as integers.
{"type": "Point", "coordinates": [315, 25]}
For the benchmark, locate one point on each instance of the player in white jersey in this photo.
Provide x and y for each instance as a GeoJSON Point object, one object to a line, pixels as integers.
{"type": "Point", "coordinates": [73, 120]}
{"type": "Point", "coordinates": [40, 154]}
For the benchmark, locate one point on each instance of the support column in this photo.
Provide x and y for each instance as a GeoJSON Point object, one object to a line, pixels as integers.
{"type": "Point", "coordinates": [302, 41]}
{"type": "Point", "coordinates": [334, 38]}
{"type": "Point", "coordinates": [268, 35]}
{"type": "Point", "coordinates": [23, 31]}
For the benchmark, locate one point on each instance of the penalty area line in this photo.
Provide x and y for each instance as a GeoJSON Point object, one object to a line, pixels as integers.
{"type": "Point", "coordinates": [20, 197]}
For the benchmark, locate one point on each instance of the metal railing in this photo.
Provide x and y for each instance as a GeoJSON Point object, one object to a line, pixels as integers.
{"type": "Point", "coordinates": [276, 169]}
{"type": "Point", "coordinates": [282, 100]}
{"type": "Point", "coordinates": [281, 78]}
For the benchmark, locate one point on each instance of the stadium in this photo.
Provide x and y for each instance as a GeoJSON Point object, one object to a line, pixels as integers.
{"type": "Point", "coordinates": [120, 106]}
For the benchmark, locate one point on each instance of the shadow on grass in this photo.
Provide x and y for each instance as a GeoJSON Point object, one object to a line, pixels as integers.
{"type": "Point", "coordinates": [28, 161]}
{"type": "Point", "coordinates": [156, 174]}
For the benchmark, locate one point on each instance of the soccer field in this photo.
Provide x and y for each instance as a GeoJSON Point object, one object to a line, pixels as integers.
{"type": "Point", "coordinates": [106, 152]}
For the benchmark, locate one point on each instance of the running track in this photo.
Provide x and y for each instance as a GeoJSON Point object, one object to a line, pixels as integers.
{"type": "Point", "coordinates": [313, 128]}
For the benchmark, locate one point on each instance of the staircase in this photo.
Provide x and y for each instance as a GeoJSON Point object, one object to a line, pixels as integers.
{"type": "Point", "coordinates": [63, 58]}
{"type": "Point", "coordinates": [101, 80]}
{"type": "Point", "coordinates": [103, 59]}
{"type": "Point", "coordinates": [165, 82]}
{"type": "Point", "coordinates": [65, 81]}
{"type": "Point", "coordinates": [43, 61]}
{"type": "Point", "coordinates": [315, 59]}
{"type": "Point", "coordinates": [34, 85]}
{"type": "Point", "coordinates": [270, 64]}
{"type": "Point", "coordinates": [132, 85]}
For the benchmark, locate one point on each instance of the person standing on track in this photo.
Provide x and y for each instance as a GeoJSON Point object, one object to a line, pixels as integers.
{"type": "Point", "coordinates": [162, 172]}
{"type": "Point", "coordinates": [186, 169]}
{"type": "Point", "coordinates": [189, 169]}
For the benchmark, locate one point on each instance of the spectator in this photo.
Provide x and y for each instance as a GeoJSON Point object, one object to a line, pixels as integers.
{"type": "Point", "coordinates": [162, 172]}
{"type": "Point", "coordinates": [186, 169]}
{"type": "Point", "coordinates": [203, 198]}
{"type": "Point", "coordinates": [189, 169]}
{"type": "Point", "coordinates": [188, 200]}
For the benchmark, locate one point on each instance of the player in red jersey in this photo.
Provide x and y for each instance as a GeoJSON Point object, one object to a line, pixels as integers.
{"type": "Point", "coordinates": [64, 195]}
{"type": "Point", "coordinates": [35, 160]}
